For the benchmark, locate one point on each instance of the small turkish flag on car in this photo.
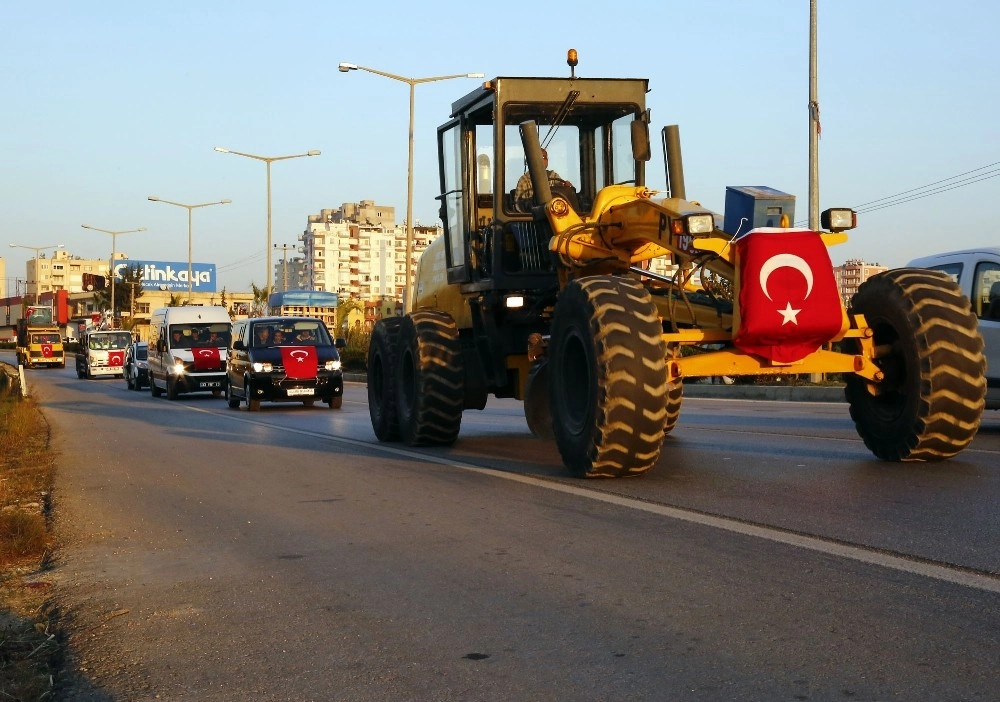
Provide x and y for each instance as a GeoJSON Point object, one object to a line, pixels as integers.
{"type": "Point", "coordinates": [300, 362]}
{"type": "Point", "coordinates": [116, 358]}
{"type": "Point", "coordinates": [789, 301]}
{"type": "Point", "coordinates": [47, 350]}
{"type": "Point", "coordinates": [206, 359]}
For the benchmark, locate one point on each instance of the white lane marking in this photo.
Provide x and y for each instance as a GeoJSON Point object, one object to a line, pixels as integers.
{"type": "Point", "coordinates": [957, 576]}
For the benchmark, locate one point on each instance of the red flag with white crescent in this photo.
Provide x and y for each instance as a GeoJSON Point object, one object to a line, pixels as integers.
{"type": "Point", "coordinates": [206, 358]}
{"type": "Point", "coordinates": [301, 362]}
{"type": "Point", "coordinates": [116, 358]}
{"type": "Point", "coordinates": [47, 350]}
{"type": "Point", "coordinates": [789, 301]}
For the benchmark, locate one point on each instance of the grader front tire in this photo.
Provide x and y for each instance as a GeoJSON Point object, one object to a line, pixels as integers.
{"type": "Point", "coordinates": [608, 378]}
{"type": "Point", "coordinates": [429, 380]}
{"type": "Point", "coordinates": [929, 405]}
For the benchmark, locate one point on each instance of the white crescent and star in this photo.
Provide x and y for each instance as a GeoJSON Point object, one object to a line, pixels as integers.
{"type": "Point", "coordinates": [299, 355]}
{"type": "Point", "coordinates": [786, 260]}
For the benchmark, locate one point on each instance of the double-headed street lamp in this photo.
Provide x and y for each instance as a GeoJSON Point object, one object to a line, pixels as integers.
{"type": "Point", "coordinates": [36, 249]}
{"type": "Point", "coordinates": [114, 250]}
{"type": "Point", "coordinates": [412, 82]}
{"type": "Point", "coordinates": [189, 208]}
{"type": "Point", "coordinates": [268, 160]}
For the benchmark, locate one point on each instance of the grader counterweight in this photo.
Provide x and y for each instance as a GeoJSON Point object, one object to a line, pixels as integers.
{"type": "Point", "coordinates": [581, 301]}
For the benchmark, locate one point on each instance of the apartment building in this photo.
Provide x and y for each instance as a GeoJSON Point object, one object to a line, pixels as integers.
{"type": "Point", "coordinates": [61, 271]}
{"type": "Point", "coordinates": [852, 274]}
{"type": "Point", "coordinates": [359, 251]}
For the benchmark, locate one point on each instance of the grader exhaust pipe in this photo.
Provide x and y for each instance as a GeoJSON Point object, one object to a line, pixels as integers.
{"type": "Point", "coordinates": [671, 136]}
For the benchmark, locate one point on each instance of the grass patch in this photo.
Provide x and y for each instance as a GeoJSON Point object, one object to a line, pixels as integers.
{"type": "Point", "coordinates": [28, 649]}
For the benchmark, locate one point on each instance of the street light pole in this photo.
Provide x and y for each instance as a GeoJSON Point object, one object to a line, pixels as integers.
{"type": "Point", "coordinates": [268, 160]}
{"type": "Point", "coordinates": [189, 208]}
{"type": "Point", "coordinates": [412, 82]}
{"type": "Point", "coordinates": [36, 249]}
{"type": "Point", "coordinates": [111, 269]}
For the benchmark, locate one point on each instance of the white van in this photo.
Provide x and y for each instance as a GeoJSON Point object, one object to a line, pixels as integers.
{"type": "Point", "coordinates": [977, 271]}
{"type": "Point", "coordinates": [187, 350]}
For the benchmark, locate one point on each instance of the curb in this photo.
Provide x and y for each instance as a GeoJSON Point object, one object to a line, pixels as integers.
{"type": "Point", "coordinates": [774, 393]}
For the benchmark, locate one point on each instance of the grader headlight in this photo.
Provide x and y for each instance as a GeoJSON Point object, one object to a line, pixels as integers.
{"type": "Point", "coordinates": [699, 223]}
{"type": "Point", "coordinates": [838, 220]}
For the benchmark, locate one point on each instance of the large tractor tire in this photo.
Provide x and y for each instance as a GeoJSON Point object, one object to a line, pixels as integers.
{"type": "Point", "coordinates": [675, 395]}
{"type": "Point", "coordinates": [382, 352]}
{"type": "Point", "coordinates": [930, 402]}
{"type": "Point", "coordinates": [607, 378]}
{"type": "Point", "coordinates": [537, 404]}
{"type": "Point", "coordinates": [430, 389]}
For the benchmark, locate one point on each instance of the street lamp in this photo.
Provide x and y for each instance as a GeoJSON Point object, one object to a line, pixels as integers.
{"type": "Point", "coordinates": [111, 269]}
{"type": "Point", "coordinates": [36, 249]}
{"type": "Point", "coordinates": [412, 82]}
{"type": "Point", "coordinates": [268, 160]}
{"type": "Point", "coordinates": [189, 208]}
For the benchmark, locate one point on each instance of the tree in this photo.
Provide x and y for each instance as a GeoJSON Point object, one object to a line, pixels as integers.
{"type": "Point", "coordinates": [344, 309]}
{"type": "Point", "coordinates": [260, 303]}
{"type": "Point", "coordinates": [225, 303]}
{"type": "Point", "coordinates": [131, 286]}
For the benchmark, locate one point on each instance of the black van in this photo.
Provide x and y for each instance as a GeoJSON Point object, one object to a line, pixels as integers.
{"type": "Point", "coordinates": [283, 359]}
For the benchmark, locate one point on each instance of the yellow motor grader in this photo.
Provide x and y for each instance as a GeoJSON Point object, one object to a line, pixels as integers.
{"type": "Point", "coordinates": [589, 299]}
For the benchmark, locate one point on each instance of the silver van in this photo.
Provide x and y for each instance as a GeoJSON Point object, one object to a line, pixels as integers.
{"type": "Point", "coordinates": [977, 271]}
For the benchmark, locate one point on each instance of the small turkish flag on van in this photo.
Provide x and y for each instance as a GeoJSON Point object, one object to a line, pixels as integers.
{"type": "Point", "coordinates": [301, 362]}
{"type": "Point", "coordinates": [206, 359]}
{"type": "Point", "coordinates": [47, 350]}
{"type": "Point", "coordinates": [789, 301]}
{"type": "Point", "coordinates": [116, 358]}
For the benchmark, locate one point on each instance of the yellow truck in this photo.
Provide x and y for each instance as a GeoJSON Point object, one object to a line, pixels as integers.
{"type": "Point", "coordinates": [39, 341]}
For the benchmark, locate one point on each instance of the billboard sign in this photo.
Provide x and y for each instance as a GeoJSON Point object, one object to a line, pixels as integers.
{"type": "Point", "coordinates": [171, 275]}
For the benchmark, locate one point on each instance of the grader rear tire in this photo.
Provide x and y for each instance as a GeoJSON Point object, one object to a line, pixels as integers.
{"type": "Point", "coordinates": [382, 354]}
{"type": "Point", "coordinates": [930, 403]}
{"type": "Point", "coordinates": [430, 381]}
{"type": "Point", "coordinates": [608, 378]}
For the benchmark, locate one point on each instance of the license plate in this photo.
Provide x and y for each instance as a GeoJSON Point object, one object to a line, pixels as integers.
{"type": "Point", "coordinates": [292, 392]}
{"type": "Point", "coordinates": [212, 384]}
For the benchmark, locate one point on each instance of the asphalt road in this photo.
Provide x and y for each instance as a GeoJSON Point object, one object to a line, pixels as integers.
{"type": "Point", "coordinates": [212, 554]}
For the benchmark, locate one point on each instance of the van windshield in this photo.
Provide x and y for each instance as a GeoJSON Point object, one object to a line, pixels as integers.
{"type": "Point", "coordinates": [111, 340]}
{"type": "Point", "coordinates": [187, 336]}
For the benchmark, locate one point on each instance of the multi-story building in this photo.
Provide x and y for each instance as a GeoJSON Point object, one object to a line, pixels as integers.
{"type": "Point", "coordinates": [62, 271]}
{"type": "Point", "coordinates": [359, 251]}
{"type": "Point", "coordinates": [852, 274]}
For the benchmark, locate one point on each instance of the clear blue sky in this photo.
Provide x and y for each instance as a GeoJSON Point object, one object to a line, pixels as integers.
{"type": "Point", "coordinates": [106, 103]}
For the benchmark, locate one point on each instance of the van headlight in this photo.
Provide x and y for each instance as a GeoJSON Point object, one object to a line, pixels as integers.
{"type": "Point", "coordinates": [332, 365]}
{"type": "Point", "coordinates": [259, 367]}
{"type": "Point", "coordinates": [178, 366]}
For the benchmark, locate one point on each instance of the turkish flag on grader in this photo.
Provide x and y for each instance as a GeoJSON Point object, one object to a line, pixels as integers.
{"type": "Point", "coordinates": [47, 350]}
{"type": "Point", "coordinates": [116, 358]}
{"type": "Point", "coordinates": [206, 359]}
{"type": "Point", "coordinates": [301, 362]}
{"type": "Point", "coordinates": [789, 301]}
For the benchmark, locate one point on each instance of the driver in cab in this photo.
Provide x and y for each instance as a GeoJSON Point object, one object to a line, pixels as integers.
{"type": "Point", "coordinates": [524, 192]}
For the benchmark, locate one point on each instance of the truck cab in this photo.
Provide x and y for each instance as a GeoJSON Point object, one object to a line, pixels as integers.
{"type": "Point", "coordinates": [977, 272]}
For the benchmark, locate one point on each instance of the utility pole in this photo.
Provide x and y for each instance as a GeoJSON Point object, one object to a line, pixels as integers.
{"type": "Point", "coordinates": [814, 130]}
{"type": "Point", "coordinates": [814, 124]}
{"type": "Point", "coordinates": [284, 248]}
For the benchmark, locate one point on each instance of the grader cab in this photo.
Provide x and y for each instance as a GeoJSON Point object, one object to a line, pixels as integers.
{"type": "Point", "coordinates": [590, 303]}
